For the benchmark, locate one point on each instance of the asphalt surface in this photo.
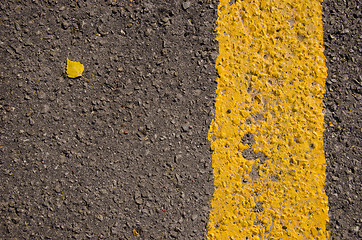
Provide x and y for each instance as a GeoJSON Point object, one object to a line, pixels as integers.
{"type": "Point", "coordinates": [342, 137]}
{"type": "Point", "coordinates": [122, 153]}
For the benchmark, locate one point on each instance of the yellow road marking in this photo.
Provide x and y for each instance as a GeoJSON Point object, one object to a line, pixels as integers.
{"type": "Point", "coordinates": [267, 135]}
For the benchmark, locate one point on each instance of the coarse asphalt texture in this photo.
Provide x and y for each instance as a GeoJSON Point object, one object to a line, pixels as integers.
{"type": "Point", "coordinates": [343, 119]}
{"type": "Point", "coordinates": [122, 153]}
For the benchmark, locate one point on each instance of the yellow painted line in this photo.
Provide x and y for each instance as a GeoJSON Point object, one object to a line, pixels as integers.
{"type": "Point", "coordinates": [267, 135]}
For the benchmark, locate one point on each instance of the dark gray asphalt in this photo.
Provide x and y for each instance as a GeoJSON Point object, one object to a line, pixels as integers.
{"type": "Point", "coordinates": [343, 118]}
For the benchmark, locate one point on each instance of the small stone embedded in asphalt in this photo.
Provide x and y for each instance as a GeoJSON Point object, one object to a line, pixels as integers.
{"type": "Point", "coordinates": [31, 121]}
{"type": "Point", "coordinates": [41, 95]}
{"type": "Point", "coordinates": [185, 127]}
{"type": "Point", "coordinates": [186, 5]}
{"type": "Point", "coordinates": [102, 30]}
{"type": "Point", "coordinates": [138, 198]}
{"type": "Point", "coordinates": [62, 159]}
{"type": "Point", "coordinates": [148, 32]}
{"type": "Point", "coordinates": [65, 25]}
{"type": "Point", "coordinates": [173, 234]}
{"type": "Point", "coordinates": [57, 188]}
{"type": "Point", "coordinates": [100, 217]}
{"type": "Point", "coordinates": [178, 158]}
{"type": "Point", "coordinates": [80, 134]}
{"type": "Point", "coordinates": [213, 57]}
{"type": "Point", "coordinates": [45, 108]}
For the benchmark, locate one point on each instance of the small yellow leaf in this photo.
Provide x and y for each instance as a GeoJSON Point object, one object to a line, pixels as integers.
{"type": "Point", "coordinates": [135, 233]}
{"type": "Point", "coordinates": [74, 69]}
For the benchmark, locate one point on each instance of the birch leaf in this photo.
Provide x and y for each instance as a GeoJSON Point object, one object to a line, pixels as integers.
{"type": "Point", "coordinates": [74, 69]}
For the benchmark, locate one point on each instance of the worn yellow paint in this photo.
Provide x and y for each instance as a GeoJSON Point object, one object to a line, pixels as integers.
{"type": "Point", "coordinates": [267, 135]}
